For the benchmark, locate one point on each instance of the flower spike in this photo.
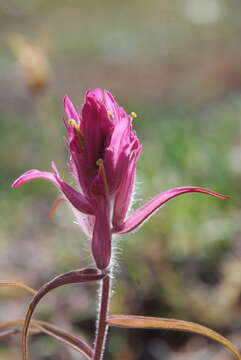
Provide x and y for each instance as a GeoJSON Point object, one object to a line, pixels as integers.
{"type": "Point", "coordinates": [103, 149]}
{"type": "Point", "coordinates": [103, 154]}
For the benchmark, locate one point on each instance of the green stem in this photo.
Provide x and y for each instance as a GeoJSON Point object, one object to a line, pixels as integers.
{"type": "Point", "coordinates": [102, 327]}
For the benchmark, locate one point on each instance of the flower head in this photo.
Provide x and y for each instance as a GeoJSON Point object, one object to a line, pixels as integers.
{"type": "Point", "coordinates": [104, 150]}
{"type": "Point", "coordinates": [102, 144]}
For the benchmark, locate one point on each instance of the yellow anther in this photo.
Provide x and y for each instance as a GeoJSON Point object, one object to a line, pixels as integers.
{"type": "Point", "coordinates": [100, 163]}
{"type": "Point", "coordinates": [133, 115]}
{"type": "Point", "coordinates": [110, 114]}
{"type": "Point", "coordinates": [73, 123]}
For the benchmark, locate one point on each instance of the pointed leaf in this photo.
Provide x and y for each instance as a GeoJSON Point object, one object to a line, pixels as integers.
{"type": "Point", "coordinates": [19, 285]}
{"type": "Point", "coordinates": [141, 214]}
{"type": "Point", "coordinates": [144, 322]}
{"type": "Point", "coordinates": [49, 329]}
{"type": "Point", "coordinates": [15, 328]}
{"type": "Point", "coordinates": [34, 174]}
{"type": "Point", "coordinates": [8, 332]}
{"type": "Point", "coordinates": [75, 276]}
{"type": "Point", "coordinates": [63, 336]}
{"type": "Point", "coordinates": [11, 323]}
{"type": "Point", "coordinates": [77, 199]}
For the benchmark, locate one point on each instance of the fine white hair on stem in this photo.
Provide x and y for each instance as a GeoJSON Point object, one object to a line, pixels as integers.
{"type": "Point", "coordinates": [134, 199]}
{"type": "Point", "coordinates": [116, 252]}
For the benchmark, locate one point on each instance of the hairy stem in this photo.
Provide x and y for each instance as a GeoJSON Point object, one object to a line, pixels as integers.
{"type": "Point", "coordinates": [102, 327]}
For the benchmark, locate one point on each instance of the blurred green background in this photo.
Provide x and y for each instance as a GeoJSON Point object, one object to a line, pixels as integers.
{"type": "Point", "coordinates": [177, 64]}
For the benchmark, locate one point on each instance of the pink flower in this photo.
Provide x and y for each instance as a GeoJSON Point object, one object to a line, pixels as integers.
{"type": "Point", "coordinates": [104, 151]}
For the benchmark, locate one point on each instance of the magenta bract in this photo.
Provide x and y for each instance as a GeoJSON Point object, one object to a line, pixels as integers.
{"type": "Point", "coordinates": [104, 151]}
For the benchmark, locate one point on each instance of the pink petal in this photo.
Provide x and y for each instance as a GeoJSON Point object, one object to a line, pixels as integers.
{"type": "Point", "coordinates": [106, 98]}
{"type": "Point", "coordinates": [74, 197]}
{"type": "Point", "coordinates": [70, 110]}
{"type": "Point", "coordinates": [95, 129]}
{"type": "Point", "coordinates": [141, 214]}
{"type": "Point", "coordinates": [101, 241]}
{"type": "Point", "coordinates": [118, 151]}
{"type": "Point", "coordinates": [125, 191]}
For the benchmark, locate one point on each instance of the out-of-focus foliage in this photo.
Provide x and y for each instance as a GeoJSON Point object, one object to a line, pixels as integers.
{"type": "Point", "coordinates": [177, 64]}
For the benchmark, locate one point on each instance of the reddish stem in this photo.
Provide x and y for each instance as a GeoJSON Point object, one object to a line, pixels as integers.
{"type": "Point", "coordinates": [102, 327]}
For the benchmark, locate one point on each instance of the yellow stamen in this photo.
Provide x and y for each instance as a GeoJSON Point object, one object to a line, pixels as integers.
{"type": "Point", "coordinates": [100, 163]}
{"type": "Point", "coordinates": [110, 114]}
{"type": "Point", "coordinates": [133, 115]}
{"type": "Point", "coordinates": [73, 123]}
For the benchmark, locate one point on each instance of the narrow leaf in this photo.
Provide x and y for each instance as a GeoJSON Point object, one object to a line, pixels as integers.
{"type": "Point", "coordinates": [8, 332]}
{"type": "Point", "coordinates": [10, 323]}
{"type": "Point", "coordinates": [145, 211]}
{"type": "Point", "coordinates": [15, 328]}
{"type": "Point", "coordinates": [75, 276]}
{"type": "Point", "coordinates": [49, 329]}
{"type": "Point", "coordinates": [77, 199]}
{"type": "Point", "coordinates": [143, 322]}
{"type": "Point", "coordinates": [19, 285]}
{"type": "Point", "coordinates": [69, 339]}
